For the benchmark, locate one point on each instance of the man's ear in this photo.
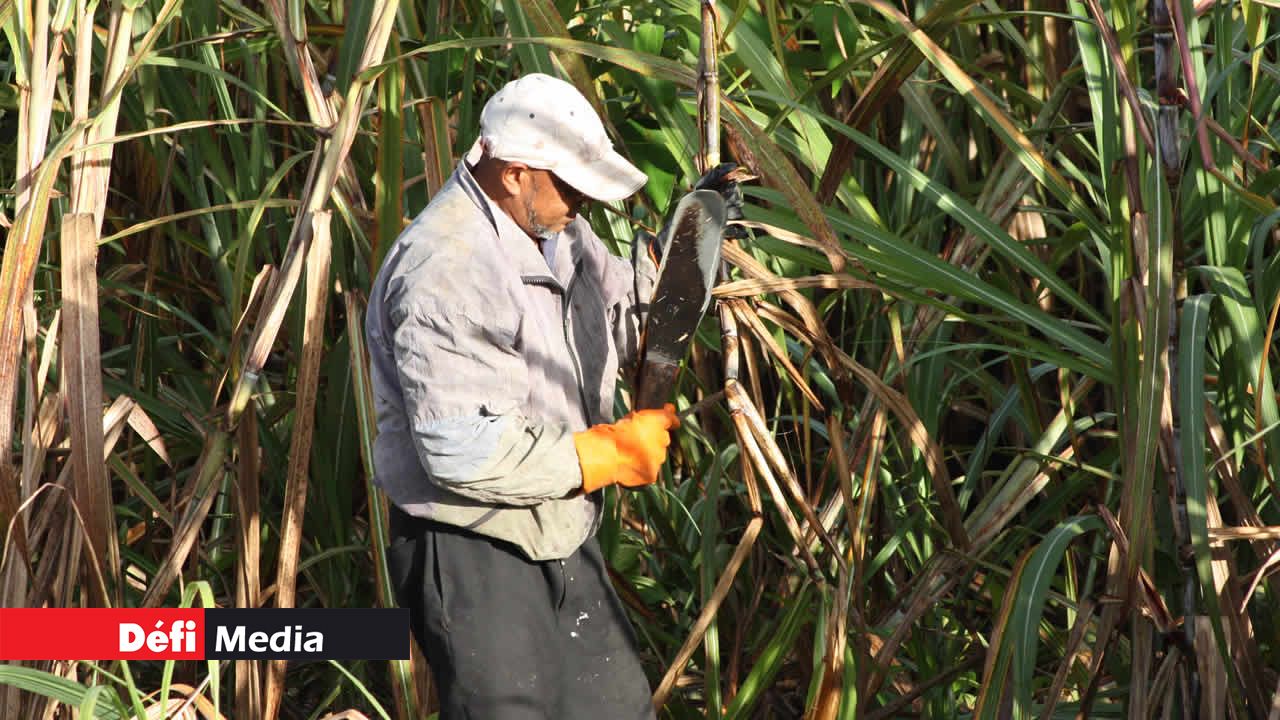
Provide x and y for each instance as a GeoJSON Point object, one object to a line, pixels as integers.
{"type": "Point", "coordinates": [512, 178]}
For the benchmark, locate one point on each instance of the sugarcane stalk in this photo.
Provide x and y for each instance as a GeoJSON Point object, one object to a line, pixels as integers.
{"type": "Point", "coordinates": [83, 63]}
{"type": "Point", "coordinates": [89, 179]}
{"type": "Point", "coordinates": [731, 347]}
{"type": "Point", "coordinates": [37, 110]}
{"type": "Point", "coordinates": [332, 165]}
{"type": "Point", "coordinates": [709, 90]}
{"type": "Point", "coordinates": [19, 255]}
{"type": "Point", "coordinates": [248, 673]}
{"type": "Point", "coordinates": [319, 256]}
{"type": "Point", "coordinates": [91, 172]}
{"type": "Point", "coordinates": [1169, 154]}
{"type": "Point", "coordinates": [407, 704]}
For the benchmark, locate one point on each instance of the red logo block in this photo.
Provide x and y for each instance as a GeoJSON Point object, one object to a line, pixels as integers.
{"type": "Point", "coordinates": [101, 634]}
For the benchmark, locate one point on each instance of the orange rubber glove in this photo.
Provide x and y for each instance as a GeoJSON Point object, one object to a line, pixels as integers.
{"type": "Point", "coordinates": [629, 452]}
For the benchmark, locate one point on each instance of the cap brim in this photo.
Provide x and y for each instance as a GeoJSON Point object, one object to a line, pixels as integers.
{"type": "Point", "coordinates": [608, 179]}
{"type": "Point", "coordinates": [476, 152]}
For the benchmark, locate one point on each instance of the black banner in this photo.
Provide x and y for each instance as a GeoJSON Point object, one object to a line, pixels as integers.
{"type": "Point", "coordinates": [306, 634]}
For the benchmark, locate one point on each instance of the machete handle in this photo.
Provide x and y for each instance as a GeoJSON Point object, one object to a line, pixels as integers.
{"type": "Point", "coordinates": [657, 379]}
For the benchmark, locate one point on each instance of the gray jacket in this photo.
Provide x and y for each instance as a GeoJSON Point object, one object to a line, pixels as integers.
{"type": "Point", "coordinates": [486, 359]}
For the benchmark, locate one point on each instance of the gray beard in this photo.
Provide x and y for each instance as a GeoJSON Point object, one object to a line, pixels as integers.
{"type": "Point", "coordinates": [539, 231]}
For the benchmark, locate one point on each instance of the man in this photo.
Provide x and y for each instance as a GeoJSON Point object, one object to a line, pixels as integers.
{"type": "Point", "coordinates": [496, 328]}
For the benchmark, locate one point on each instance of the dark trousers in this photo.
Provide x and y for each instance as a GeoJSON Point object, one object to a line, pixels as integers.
{"type": "Point", "coordinates": [512, 639]}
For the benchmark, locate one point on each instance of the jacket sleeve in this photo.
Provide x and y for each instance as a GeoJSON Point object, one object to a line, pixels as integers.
{"type": "Point", "coordinates": [463, 384]}
{"type": "Point", "coordinates": [628, 288]}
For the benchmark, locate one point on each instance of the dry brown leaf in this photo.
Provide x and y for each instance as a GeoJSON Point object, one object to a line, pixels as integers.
{"type": "Point", "coordinates": [47, 354]}
{"type": "Point", "coordinates": [1150, 602]}
{"type": "Point", "coordinates": [952, 518]}
{"type": "Point", "coordinates": [142, 424]}
{"type": "Point", "coordinates": [815, 328]}
{"type": "Point", "coordinates": [675, 670]}
{"type": "Point", "coordinates": [753, 287]}
{"type": "Point", "coordinates": [1211, 670]}
{"type": "Point", "coordinates": [750, 437]}
{"type": "Point", "coordinates": [198, 497]}
{"type": "Point", "coordinates": [82, 368]}
{"type": "Point", "coordinates": [752, 321]}
{"type": "Point", "coordinates": [113, 422]}
{"type": "Point", "coordinates": [1268, 567]}
{"type": "Point", "coordinates": [1271, 532]}
{"type": "Point", "coordinates": [1074, 641]}
{"type": "Point", "coordinates": [772, 165]}
{"type": "Point", "coordinates": [777, 460]}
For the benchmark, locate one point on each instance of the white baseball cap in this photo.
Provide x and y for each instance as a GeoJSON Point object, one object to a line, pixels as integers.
{"type": "Point", "coordinates": [544, 122]}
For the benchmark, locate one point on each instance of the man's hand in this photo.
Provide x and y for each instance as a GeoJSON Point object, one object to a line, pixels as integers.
{"type": "Point", "coordinates": [628, 452]}
{"type": "Point", "coordinates": [723, 179]}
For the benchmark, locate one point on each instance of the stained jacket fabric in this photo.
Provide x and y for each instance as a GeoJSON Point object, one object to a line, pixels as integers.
{"type": "Point", "coordinates": [486, 358]}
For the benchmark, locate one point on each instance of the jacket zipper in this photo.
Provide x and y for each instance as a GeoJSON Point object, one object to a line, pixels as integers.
{"type": "Point", "coordinates": [566, 298]}
{"type": "Point", "coordinates": [568, 341]}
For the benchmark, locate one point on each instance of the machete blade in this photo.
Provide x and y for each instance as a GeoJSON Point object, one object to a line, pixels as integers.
{"type": "Point", "coordinates": [682, 293]}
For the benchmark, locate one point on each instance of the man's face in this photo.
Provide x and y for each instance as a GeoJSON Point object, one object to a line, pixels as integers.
{"type": "Point", "coordinates": [549, 203]}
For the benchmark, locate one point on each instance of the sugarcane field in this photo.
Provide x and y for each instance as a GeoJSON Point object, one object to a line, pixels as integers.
{"type": "Point", "coordinates": [670, 360]}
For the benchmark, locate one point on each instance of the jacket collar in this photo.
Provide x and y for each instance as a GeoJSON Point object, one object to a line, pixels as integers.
{"type": "Point", "coordinates": [515, 244]}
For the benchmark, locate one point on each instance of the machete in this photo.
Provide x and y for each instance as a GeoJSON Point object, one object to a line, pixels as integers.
{"type": "Point", "coordinates": [681, 294]}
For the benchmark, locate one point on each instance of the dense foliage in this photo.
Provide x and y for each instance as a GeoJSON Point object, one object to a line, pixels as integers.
{"type": "Point", "coordinates": [999, 435]}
